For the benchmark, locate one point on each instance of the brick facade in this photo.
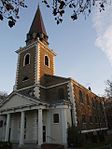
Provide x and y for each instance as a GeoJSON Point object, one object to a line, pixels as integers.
{"type": "Point", "coordinates": [89, 107]}
{"type": "Point", "coordinates": [26, 71]}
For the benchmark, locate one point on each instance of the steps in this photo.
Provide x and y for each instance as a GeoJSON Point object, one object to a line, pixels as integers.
{"type": "Point", "coordinates": [52, 146]}
{"type": "Point", "coordinates": [25, 146]}
{"type": "Point", "coordinates": [35, 146]}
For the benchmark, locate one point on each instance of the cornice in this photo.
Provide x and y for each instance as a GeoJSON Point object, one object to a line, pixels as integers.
{"type": "Point", "coordinates": [21, 49]}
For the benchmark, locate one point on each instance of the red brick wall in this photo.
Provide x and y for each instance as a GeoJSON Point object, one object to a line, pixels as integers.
{"type": "Point", "coordinates": [43, 68]}
{"type": "Point", "coordinates": [92, 110]}
{"type": "Point", "coordinates": [27, 70]}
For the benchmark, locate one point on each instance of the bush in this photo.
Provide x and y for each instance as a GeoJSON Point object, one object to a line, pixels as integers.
{"type": "Point", "coordinates": [5, 145]}
{"type": "Point", "coordinates": [75, 138]}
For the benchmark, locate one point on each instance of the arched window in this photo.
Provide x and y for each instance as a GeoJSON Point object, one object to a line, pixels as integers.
{"type": "Point", "coordinates": [87, 99]}
{"type": "Point", "coordinates": [26, 59]}
{"type": "Point", "coordinates": [81, 96]}
{"type": "Point", "coordinates": [61, 94]}
{"type": "Point", "coordinates": [83, 118]}
{"type": "Point", "coordinates": [56, 118]}
{"type": "Point", "coordinates": [93, 102]}
{"type": "Point", "coordinates": [46, 61]}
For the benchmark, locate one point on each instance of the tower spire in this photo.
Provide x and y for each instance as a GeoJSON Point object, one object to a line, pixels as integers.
{"type": "Point", "coordinates": [37, 29]}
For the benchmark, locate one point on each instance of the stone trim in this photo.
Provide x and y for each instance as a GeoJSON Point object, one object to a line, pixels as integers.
{"type": "Point", "coordinates": [72, 99]}
{"type": "Point", "coordinates": [92, 130]}
{"type": "Point", "coordinates": [38, 64]}
{"type": "Point", "coordinates": [54, 85]}
{"type": "Point", "coordinates": [17, 70]}
{"type": "Point", "coordinates": [53, 65]}
{"type": "Point", "coordinates": [21, 89]}
{"type": "Point", "coordinates": [54, 106]}
{"type": "Point", "coordinates": [35, 64]}
{"type": "Point", "coordinates": [37, 92]}
{"type": "Point", "coordinates": [37, 84]}
{"type": "Point", "coordinates": [23, 108]}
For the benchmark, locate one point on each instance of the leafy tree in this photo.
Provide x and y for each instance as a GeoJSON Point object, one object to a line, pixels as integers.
{"type": "Point", "coordinates": [108, 89]}
{"type": "Point", "coordinates": [10, 9]}
{"type": "Point", "coordinates": [76, 6]}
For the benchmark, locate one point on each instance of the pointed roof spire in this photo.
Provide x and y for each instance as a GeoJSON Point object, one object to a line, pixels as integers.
{"type": "Point", "coordinates": [38, 27]}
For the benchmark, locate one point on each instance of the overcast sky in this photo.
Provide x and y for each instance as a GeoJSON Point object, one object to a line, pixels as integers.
{"type": "Point", "coordinates": [83, 47]}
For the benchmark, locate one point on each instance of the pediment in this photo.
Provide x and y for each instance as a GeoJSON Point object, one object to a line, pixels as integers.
{"type": "Point", "coordinates": [16, 101]}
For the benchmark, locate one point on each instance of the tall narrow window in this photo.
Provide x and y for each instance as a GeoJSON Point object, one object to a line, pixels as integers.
{"type": "Point", "coordinates": [87, 99]}
{"type": "Point", "coordinates": [81, 96]}
{"type": "Point", "coordinates": [46, 61]}
{"type": "Point", "coordinates": [1, 123]}
{"type": "Point", "coordinates": [56, 118]}
{"type": "Point", "coordinates": [26, 59]}
{"type": "Point", "coordinates": [83, 119]}
{"type": "Point", "coordinates": [93, 102]}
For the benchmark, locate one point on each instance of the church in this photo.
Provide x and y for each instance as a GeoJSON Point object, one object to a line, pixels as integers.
{"type": "Point", "coordinates": [42, 105]}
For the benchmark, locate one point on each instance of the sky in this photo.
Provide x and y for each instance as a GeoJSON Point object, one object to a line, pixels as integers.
{"type": "Point", "coordinates": [83, 47]}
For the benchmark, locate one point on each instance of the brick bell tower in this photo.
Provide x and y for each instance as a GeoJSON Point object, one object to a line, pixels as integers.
{"type": "Point", "coordinates": [35, 59]}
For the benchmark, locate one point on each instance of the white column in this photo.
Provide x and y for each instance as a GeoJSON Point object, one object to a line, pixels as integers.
{"type": "Point", "coordinates": [64, 126]}
{"type": "Point", "coordinates": [7, 127]}
{"type": "Point", "coordinates": [48, 126]}
{"type": "Point", "coordinates": [40, 127]}
{"type": "Point", "coordinates": [21, 141]}
{"type": "Point", "coordinates": [36, 127]}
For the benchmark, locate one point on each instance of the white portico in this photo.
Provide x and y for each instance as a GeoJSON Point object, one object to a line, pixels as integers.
{"type": "Point", "coordinates": [29, 121]}
{"type": "Point", "coordinates": [24, 122]}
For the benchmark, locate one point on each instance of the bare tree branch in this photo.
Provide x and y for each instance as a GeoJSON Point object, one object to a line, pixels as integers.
{"type": "Point", "coordinates": [76, 6]}
{"type": "Point", "coordinates": [108, 89]}
{"type": "Point", "coordinates": [10, 9]}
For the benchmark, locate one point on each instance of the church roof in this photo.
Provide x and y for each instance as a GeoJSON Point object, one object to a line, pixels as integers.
{"type": "Point", "coordinates": [38, 24]}
{"type": "Point", "coordinates": [53, 80]}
